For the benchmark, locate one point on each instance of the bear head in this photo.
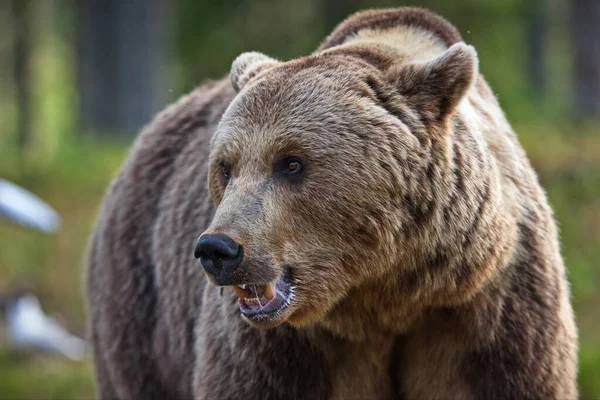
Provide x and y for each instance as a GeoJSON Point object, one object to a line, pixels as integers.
{"type": "Point", "coordinates": [322, 168]}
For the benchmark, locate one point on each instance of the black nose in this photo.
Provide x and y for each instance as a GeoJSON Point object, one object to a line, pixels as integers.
{"type": "Point", "coordinates": [219, 254]}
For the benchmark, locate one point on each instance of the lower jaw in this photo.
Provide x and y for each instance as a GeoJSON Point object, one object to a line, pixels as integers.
{"type": "Point", "coordinates": [296, 318]}
{"type": "Point", "coordinates": [266, 321]}
{"type": "Point", "coordinates": [265, 315]}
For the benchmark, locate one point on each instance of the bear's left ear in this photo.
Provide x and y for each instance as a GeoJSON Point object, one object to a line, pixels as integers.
{"type": "Point", "coordinates": [436, 87]}
{"type": "Point", "coordinates": [248, 65]}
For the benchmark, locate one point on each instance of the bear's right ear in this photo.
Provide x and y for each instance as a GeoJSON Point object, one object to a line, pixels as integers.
{"type": "Point", "coordinates": [436, 87]}
{"type": "Point", "coordinates": [246, 66]}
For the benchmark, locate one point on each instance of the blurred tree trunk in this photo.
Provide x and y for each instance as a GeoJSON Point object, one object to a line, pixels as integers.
{"type": "Point", "coordinates": [121, 63]}
{"type": "Point", "coordinates": [585, 26]}
{"type": "Point", "coordinates": [537, 30]}
{"type": "Point", "coordinates": [21, 68]}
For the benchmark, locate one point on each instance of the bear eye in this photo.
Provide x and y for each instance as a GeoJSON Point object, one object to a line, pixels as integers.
{"type": "Point", "coordinates": [225, 170]}
{"type": "Point", "coordinates": [288, 167]}
{"type": "Point", "coordinates": [294, 166]}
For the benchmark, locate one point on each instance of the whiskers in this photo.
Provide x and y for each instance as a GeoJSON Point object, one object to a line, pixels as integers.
{"type": "Point", "coordinates": [257, 297]}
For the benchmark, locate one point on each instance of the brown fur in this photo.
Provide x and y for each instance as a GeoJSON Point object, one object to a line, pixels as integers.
{"type": "Point", "coordinates": [423, 252]}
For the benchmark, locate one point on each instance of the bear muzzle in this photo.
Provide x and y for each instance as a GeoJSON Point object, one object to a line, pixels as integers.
{"type": "Point", "coordinates": [264, 294]}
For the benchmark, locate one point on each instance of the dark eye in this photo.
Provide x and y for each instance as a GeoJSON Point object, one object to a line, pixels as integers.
{"type": "Point", "coordinates": [288, 167]}
{"type": "Point", "coordinates": [294, 166]}
{"type": "Point", "coordinates": [225, 170]}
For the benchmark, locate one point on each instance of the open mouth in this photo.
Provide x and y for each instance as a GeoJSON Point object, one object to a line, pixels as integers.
{"type": "Point", "coordinates": [264, 301]}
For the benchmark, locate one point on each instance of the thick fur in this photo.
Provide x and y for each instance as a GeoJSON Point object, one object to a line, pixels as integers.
{"type": "Point", "coordinates": [423, 252]}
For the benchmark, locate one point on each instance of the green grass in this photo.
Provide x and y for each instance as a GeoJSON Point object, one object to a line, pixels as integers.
{"type": "Point", "coordinates": [27, 376]}
{"type": "Point", "coordinates": [73, 182]}
{"type": "Point", "coordinates": [73, 179]}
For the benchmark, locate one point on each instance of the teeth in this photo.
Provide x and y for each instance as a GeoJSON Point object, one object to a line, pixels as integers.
{"type": "Point", "coordinates": [255, 300]}
{"type": "Point", "coordinates": [269, 291]}
{"type": "Point", "coordinates": [241, 292]}
{"type": "Point", "coordinates": [244, 292]}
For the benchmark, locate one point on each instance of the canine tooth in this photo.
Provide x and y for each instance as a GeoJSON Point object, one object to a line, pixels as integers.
{"type": "Point", "coordinates": [269, 291]}
{"type": "Point", "coordinates": [242, 293]}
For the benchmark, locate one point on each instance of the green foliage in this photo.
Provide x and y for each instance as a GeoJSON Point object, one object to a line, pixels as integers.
{"type": "Point", "coordinates": [282, 29]}
{"type": "Point", "coordinates": [73, 182]}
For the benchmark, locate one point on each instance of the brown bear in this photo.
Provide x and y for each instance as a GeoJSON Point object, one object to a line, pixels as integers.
{"type": "Point", "coordinates": [371, 229]}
